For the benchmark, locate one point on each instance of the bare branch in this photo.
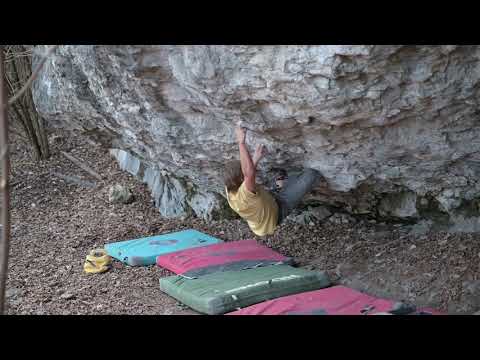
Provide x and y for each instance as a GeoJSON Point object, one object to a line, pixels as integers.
{"type": "Point", "coordinates": [18, 133]}
{"type": "Point", "coordinates": [82, 165]}
{"type": "Point", "coordinates": [75, 180]}
{"type": "Point", "coordinates": [33, 76]}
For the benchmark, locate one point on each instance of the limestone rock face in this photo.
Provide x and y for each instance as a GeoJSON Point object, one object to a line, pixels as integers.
{"type": "Point", "coordinates": [393, 129]}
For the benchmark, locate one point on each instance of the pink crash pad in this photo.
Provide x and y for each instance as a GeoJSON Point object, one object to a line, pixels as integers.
{"type": "Point", "coordinates": [227, 256]}
{"type": "Point", "coordinates": [336, 300]}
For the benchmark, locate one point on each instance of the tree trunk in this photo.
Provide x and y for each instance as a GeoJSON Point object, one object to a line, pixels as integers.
{"type": "Point", "coordinates": [18, 68]}
{"type": "Point", "coordinates": [4, 186]}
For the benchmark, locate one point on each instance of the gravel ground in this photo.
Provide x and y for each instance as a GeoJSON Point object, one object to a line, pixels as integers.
{"type": "Point", "coordinates": [56, 223]}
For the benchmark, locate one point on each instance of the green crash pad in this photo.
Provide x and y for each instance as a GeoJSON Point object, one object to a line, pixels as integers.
{"type": "Point", "coordinates": [222, 292]}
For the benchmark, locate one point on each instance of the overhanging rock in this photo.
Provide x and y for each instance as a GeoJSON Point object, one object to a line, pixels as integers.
{"type": "Point", "coordinates": [375, 120]}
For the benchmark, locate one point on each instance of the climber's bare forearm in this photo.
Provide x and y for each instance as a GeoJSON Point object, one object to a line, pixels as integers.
{"type": "Point", "coordinates": [248, 167]}
{"type": "Point", "coordinates": [259, 154]}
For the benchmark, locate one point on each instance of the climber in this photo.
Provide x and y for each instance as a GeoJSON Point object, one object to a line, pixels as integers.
{"type": "Point", "coordinates": [262, 209]}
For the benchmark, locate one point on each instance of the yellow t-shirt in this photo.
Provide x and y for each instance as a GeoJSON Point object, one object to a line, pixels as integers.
{"type": "Point", "coordinates": [259, 209]}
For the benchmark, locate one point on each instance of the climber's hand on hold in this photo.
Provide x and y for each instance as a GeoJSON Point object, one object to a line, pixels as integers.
{"type": "Point", "coordinates": [260, 152]}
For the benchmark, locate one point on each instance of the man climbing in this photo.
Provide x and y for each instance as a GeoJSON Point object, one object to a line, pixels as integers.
{"type": "Point", "coordinates": [263, 210]}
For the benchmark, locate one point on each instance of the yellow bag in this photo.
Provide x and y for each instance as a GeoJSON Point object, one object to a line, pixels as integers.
{"type": "Point", "coordinates": [97, 262]}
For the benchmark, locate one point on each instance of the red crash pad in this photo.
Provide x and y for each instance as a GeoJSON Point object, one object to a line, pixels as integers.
{"type": "Point", "coordinates": [227, 256]}
{"type": "Point", "coordinates": [336, 300]}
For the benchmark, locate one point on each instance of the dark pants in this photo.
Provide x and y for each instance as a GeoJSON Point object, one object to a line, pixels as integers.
{"type": "Point", "coordinates": [293, 191]}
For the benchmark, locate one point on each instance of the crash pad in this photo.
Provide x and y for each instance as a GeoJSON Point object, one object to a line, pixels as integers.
{"type": "Point", "coordinates": [221, 292]}
{"type": "Point", "coordinates": [225, 256]}
{"type": "Point", "coordinates": [144, 251]}
{"type": "Point", "coordinates": [336, 300]}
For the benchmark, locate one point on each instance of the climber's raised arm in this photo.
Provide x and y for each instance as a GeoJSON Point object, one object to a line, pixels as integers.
{"type": "Point", "coordinates": [248, 167]}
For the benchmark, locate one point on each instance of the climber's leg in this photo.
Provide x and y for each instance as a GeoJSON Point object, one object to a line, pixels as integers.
{"type": "Point", "coordinates": [294, 190]}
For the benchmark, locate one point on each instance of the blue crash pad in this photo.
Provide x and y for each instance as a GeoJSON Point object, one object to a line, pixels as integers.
{"type": "Point", "coordinates": [144, 251]}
